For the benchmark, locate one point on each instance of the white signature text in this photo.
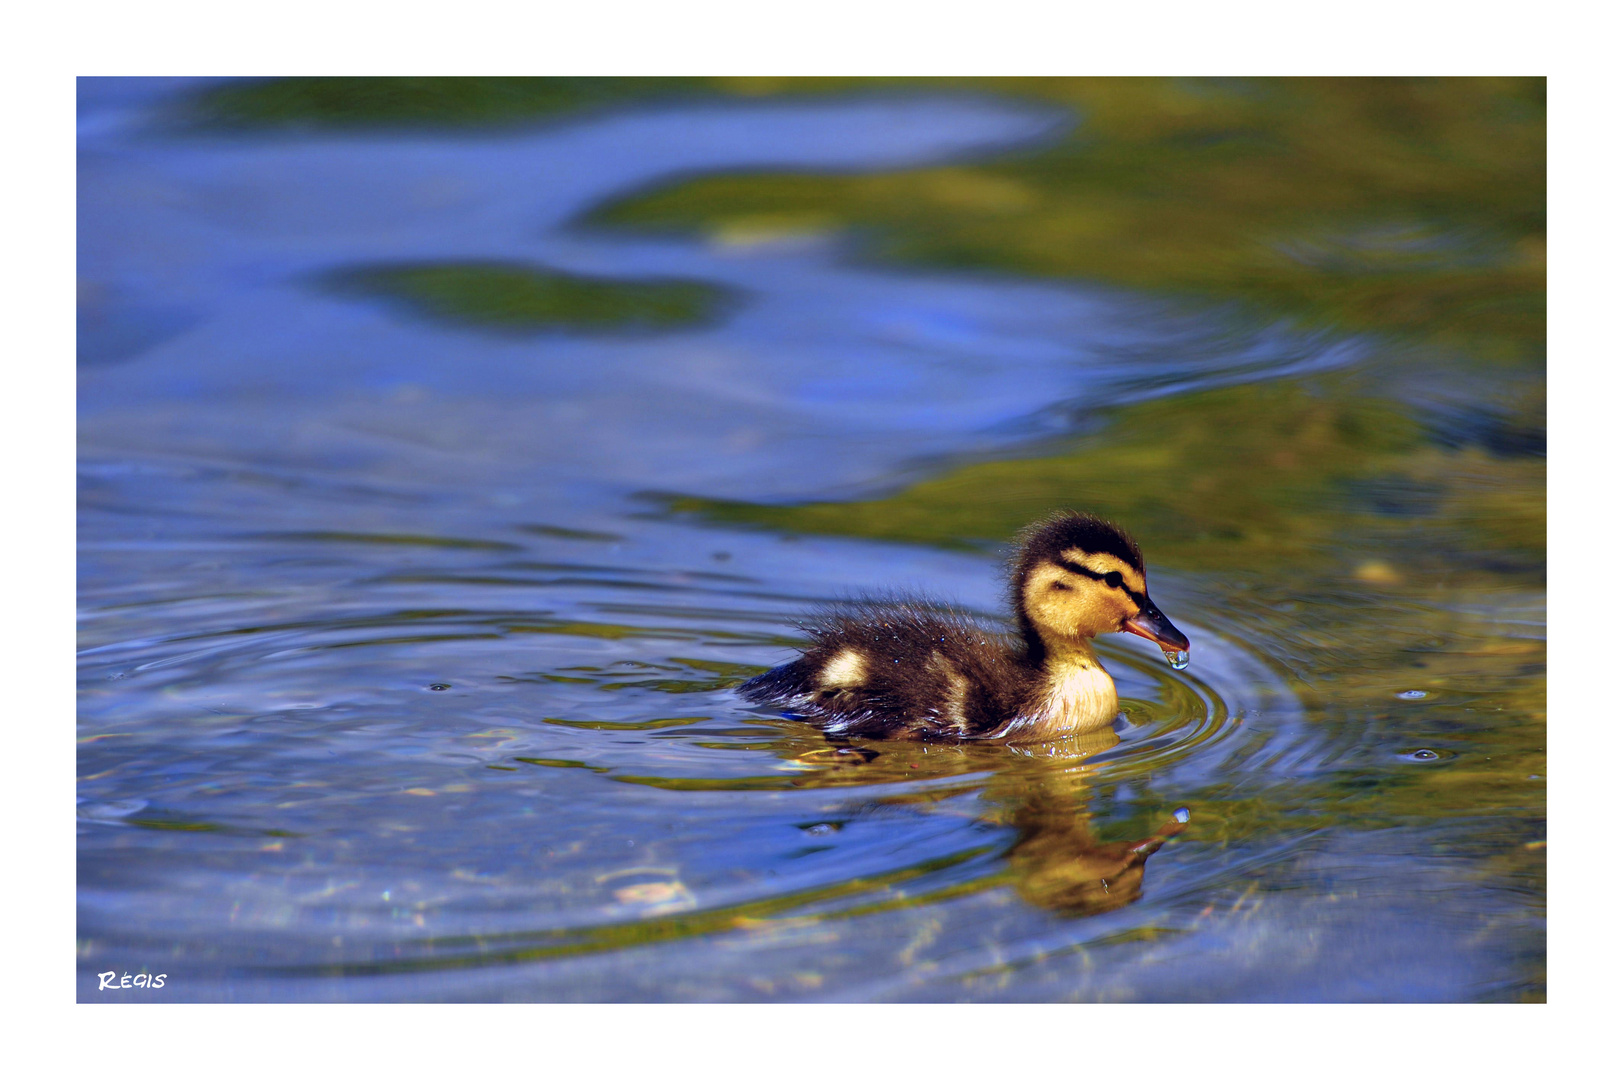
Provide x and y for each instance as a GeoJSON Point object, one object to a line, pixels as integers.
{"type": "Point", "coordinates": [110, 980]}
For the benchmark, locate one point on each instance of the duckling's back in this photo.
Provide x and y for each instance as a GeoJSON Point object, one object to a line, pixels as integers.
{"type": "Point", "coordinates": [899, 669]}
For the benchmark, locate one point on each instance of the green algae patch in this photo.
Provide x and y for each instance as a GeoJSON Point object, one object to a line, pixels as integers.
{"type": "Point", "coordinates": [373, 103]}
{"type": "Point", "coordinates": [1407, 206]}
{"type": "Point", "coordinates": [517, 298]}
{"type": "Point", "coordinates": [348, 103]}
{"type": "Point", "coordinates": [1253, 477]}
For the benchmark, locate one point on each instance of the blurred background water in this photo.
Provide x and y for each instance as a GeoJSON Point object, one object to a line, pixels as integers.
{"type": "Point", "coordinates": [450, 448]}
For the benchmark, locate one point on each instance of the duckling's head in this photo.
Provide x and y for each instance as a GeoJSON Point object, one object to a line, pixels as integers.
{"type": "Point", "coordinates": [1074, 576]}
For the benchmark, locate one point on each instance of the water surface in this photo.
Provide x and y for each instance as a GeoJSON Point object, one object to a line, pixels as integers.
{"type": "Point", "coordinates": [408, 631]}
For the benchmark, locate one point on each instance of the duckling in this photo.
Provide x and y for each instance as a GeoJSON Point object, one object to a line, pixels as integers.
{"type": "Point", "coordinates": [904, 668]}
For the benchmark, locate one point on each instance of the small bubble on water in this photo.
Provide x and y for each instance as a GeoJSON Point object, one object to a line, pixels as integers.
{"type": "Point", "coordinates": [1422, 755]}
{"type": "Point", "coordinates": [439, 686]}
{"type": "Point", "coordinates": [1410, 695]}
{"type": "Point", "coordinates": [1178, 658]}
{"type": "Point", "coordinates": [822, 828]}
{"type": "Point", "coordinates": [1181, 815]}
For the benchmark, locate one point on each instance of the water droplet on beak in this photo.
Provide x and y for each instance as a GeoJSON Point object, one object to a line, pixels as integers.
{"type": "Point", "coordinates": [1178, 658]}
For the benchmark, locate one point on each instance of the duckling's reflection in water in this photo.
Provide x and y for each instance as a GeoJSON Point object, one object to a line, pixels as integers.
{"type": "Point", "coordinates": [1059, 864]}
{"type": "Point", "coordinates": [1041, 792]}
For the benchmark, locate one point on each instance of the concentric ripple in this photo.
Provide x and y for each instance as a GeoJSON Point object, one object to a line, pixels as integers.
{"type": "Point", "coordinates": [448, 756]}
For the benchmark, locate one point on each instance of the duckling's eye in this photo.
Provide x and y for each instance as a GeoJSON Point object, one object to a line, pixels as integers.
{"type": "Point", "coordinates": [1060, 586]}
{"type": "Point", "coordinates": [1113, 579]}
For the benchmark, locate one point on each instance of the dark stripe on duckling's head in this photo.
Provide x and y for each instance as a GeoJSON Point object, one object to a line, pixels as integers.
{"type": "Point", "coordinates": [1111, 579]}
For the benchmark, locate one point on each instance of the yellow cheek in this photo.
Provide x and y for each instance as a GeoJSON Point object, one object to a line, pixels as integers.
{"type": "Point", "coordinates": [1107, 615]}
{"type": "Point", "coordinates": [1103, 612]}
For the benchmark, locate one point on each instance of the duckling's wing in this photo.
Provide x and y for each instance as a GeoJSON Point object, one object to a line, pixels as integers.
{"type": "Point", "coordinates": [898, 668]}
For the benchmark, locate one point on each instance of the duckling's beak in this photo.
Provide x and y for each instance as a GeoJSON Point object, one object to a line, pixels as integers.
{"type": "Point", "coordinates": [1150, 623]}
